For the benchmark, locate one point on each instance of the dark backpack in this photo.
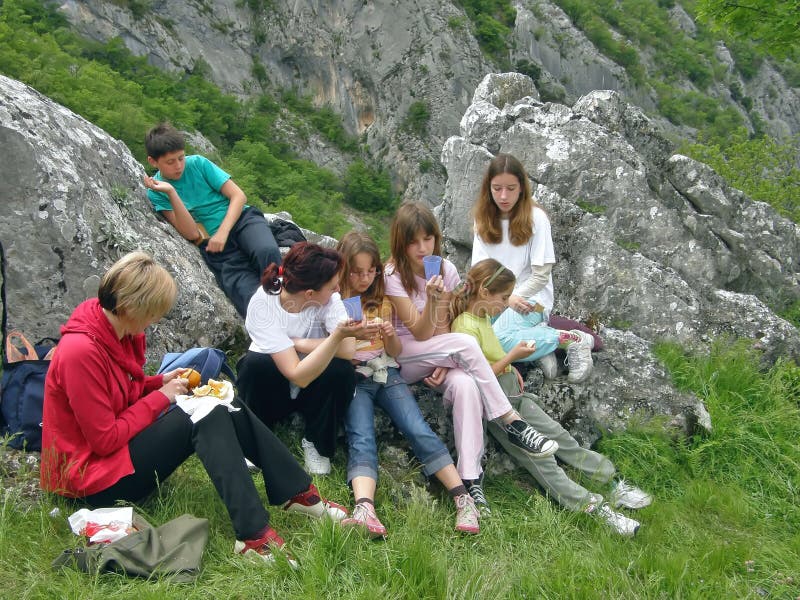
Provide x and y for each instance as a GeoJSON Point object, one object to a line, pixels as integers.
{"type": "Point", "coordinates": [22, 384]}
{"type": "Point", "coordinates": [209, 362]}
{"type": "Point", "coordinates": [286, 233]}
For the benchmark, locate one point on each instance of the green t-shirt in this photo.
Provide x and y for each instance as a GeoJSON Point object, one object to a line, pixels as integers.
{"type": "Point", "coordinates": [199, 189]}
{"type": "Point", "coordinates": [481, 329]}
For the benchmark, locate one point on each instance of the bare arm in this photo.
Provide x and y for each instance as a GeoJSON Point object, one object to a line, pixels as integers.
{"type": "Point", "coordinates": [303, 372]}
{"type": "Point", "coordinates": [424, 325]}
{"type": "Point", "coordinates": [236, 201]}
{"type": "Point", "coordinates": [178, 217]}
{"type": "Point", "coordinates": [518, 352]}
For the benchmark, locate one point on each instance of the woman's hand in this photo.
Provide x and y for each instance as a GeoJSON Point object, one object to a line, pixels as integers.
{"type": "Point", "coordinates": [170, 375]}
{"type": "Point", "coordinates": [522, 350]}
{"type": "Point", "coordinates": [521, 305]}
{"type": "Point", "coordinates": [357, 329]}
{"type": "Point", "coordinates": [176, 386]}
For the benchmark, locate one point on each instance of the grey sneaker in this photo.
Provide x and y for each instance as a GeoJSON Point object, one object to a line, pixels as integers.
{"type": "Point", "coordinates": [623, 525]}
{"type": "Point", "coordinates": [526, 437]}
{"type": "Point", "coordinates": [467, 516]}
{"type": "Point", "coordinates": [629, 496]}
{"type": "Point", "coordinates": [579, 357]}
{"type": "Point", "coordinates": [549, 366]}
{"type": "Point", "coordinates": [316, 464]}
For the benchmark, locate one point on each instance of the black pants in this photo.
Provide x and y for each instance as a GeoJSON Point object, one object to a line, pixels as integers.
{"type": "Point", "coordinates": [250, 249]}
{"type": "Point", "coordinates": [221, 440]}
{"type": "Point", "coordinates": [322, 403]}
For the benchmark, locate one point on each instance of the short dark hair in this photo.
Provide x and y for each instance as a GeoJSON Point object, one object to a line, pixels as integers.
{"type": "Point", "coordinates": [163, 138]}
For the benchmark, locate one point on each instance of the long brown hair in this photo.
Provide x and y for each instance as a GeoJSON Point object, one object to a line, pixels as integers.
{"type": "Point", "coordinates": [305, 267]}
{"type": "Point", "coordinates": [487, 215]}
{"type": "Point", "coordinates": [358, 242]}
{"type": "Point", "coordinates": [409, 220]}
{"type": "Point", "coordinates": [487, 273]}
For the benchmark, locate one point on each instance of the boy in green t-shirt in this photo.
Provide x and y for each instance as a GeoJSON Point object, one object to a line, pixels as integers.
{"type": "Point", "coordinates": [200, 200]}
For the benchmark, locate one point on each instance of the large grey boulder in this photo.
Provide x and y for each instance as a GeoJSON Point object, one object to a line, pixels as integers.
{"type": "Point", "coordinates": [73, 203]}
{"type": "Point", "coordinates": [655, 245]}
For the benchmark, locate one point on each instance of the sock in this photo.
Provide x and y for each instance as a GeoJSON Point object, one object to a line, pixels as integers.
{"type": "Point", "coordinates": [459, 490]}
{"type": "Point", "coordinates": [365, 501]}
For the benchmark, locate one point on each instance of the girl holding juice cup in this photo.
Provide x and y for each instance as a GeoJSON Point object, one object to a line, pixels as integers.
{"type": "Point", "coordinates": [449, 362]}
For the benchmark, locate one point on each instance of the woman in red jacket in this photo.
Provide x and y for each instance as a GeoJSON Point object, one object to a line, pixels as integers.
{"type": "Point", "coordinates": [107, 433]}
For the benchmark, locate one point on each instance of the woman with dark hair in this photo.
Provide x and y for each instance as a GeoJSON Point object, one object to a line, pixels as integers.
{"type": "Point", "coordinates": [108, 433]}
{"type": "Point", "coordinates": [302, 345]}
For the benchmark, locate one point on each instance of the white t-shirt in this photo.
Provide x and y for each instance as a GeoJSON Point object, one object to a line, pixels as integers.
{"type": "Point", "coordinates": [394, 287]}
{"type": "Point", "coordinates": [272, 328]}
{"type": "Point", "coordinates": [538, 251]}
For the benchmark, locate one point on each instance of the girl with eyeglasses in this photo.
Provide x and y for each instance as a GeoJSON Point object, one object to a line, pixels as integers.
{"type": "Point", "coordinates": [379, 383]}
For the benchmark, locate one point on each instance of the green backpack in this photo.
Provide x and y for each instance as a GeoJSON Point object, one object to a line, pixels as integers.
{"type": "Point", "coordinates": [174, 550]}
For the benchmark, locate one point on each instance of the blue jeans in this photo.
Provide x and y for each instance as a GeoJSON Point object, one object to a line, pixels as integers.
{"type": "Point", "coordinates": [396, 399]}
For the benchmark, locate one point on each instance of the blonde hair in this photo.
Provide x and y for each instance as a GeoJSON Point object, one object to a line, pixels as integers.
{"type": "Point", "coordinates": [137, 287]}
{"type": "Point", "coordinates": [486, 213]}
{"type": "Point", "coordinates": [351, 244]}
{"type": "Point", "coordinates": [487, 273]}
{"type": "Point", "coordinates": [409, 220]}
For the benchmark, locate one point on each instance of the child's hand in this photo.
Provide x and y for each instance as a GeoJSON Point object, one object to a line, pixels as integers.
{"type": "Point", "coordinates": [158, 186]}
{"type": "Point", "coordinates": [387, 329]}
{"type": "Point", "coordinates": [522, 350]}
{"type": "Point", "coordinates": [434, 288]}
{"type": "Point", "coordinates": [216, 243]}
{"type": "Point", "coordinates": [436, 378]}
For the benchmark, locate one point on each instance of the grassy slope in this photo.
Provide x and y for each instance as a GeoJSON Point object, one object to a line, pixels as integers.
{"type": "Point", "coordinates": [724, 523]}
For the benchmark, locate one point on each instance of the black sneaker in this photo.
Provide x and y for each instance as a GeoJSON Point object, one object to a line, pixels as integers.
{"type": "Point", "coordinates": [475, 489]}
{"type": "Point", "coordinates": [526, 437]}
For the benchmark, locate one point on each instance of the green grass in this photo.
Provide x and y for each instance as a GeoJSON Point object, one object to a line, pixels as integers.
{"type": "Point", "coordinates": [724, 523]}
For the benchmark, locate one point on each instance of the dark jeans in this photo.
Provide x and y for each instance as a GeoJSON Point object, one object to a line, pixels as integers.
{"type": "Point", "coordinates": [250, 249]}
{"type": "Point", "coordinates": [322, 403]}
{"type": "Point", "coordinates": [221, 440]}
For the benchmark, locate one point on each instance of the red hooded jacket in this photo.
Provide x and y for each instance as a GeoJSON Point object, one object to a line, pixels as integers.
{"type": "Point", "coordinates": [96, 398]}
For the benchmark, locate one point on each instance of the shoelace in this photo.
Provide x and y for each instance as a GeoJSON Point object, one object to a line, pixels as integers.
{"type": "Point", "coordinates": [532, 438]}
{"type": "Point", "coordinates": [476, 491]}
{"type": "Point", "coordinates": [361, 512]}
{"type": "Point", "coordinates": [466, 509]}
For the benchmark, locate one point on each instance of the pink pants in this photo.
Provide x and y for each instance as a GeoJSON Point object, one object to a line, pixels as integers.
{"type": "Point", "coordinates": [470, 386]}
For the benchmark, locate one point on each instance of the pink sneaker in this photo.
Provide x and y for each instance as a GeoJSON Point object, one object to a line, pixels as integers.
{"type": "Point", "coordinates": [310, 503]}
{"type": "Point", "coordinates": [263, 547]}
{"type": "Point", "coordinates": [467, 516]}
{"type": "Point", "coordinates": [364, 517]}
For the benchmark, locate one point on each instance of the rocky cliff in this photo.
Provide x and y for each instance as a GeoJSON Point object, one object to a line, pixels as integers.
{"type": "Point", "coordinates": [371, 61]}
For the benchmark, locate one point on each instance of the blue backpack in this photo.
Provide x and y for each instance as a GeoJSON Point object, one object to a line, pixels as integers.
{"type": "Point", "coordinates": [209, 362]}
{"type": "Point", "coordinates": [22, 385]}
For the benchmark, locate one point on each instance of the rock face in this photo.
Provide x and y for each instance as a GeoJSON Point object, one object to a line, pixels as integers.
{"type": "Point", "coordinates": [73, 203]}
{"type": "Point", "coordinates": [657, 246]}
{"type": "Point", "coordinates": [370, 61]}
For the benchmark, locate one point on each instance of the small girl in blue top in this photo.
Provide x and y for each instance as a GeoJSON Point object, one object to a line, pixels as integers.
{"type": "Point", "coordinates": [379, 383]}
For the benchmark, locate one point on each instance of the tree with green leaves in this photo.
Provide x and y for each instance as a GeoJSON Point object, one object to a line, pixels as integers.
{"type": "Point", "coordinates": [773, 25]}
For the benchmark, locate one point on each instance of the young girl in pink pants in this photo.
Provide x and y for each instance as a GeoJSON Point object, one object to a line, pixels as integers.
{"type": "Point", "coordinates": [451, 363]}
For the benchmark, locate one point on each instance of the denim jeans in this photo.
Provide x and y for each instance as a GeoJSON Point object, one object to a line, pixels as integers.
{"type": "Point", "coordinates": [396, 399]}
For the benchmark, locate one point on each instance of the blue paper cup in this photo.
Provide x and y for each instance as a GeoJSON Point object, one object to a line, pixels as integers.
{"type": "Point", "coordinates": [353, 308]}
{"type": "Point", "coordinates": [433, 266]}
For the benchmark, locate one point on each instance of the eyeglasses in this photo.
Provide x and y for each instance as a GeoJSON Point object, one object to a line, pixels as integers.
{"type": "Point", "coordinates": [361, 274]}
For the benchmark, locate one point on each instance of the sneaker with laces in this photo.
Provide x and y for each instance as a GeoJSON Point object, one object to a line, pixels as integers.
{"type": "Point", "coordinates": [364, 518]}
{"type": "Point", "coordinates": [263, 547]}
{"type": "Point", "coordinates": [526, 437]}
{"type": "Point", "coordinates": [579, 357]}
{"type": "Point", "coordinates": [623, 525]}
{"type": "Point", "coordinates": [467, 515]}
{"type": "Point", "coordinates": [549, 366]}
{"type": "Point", "coordinates": [310, 503]}
{"type": "Point", "coordinates": [316, 464]}
{"type": "Point", "coordinates": [475, 489]}
{"type": "Point", "coordinates": [629, 496]}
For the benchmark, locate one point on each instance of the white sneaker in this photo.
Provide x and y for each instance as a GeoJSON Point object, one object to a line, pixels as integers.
{"type": "Point", "coordinates": [579, 357]}
{"type": "Point", "coordinates": [617, 521]}
{"type": "Point", "coordinates": [549, 366]}
{"type": "Point", "coordinates": [629, 496]}
{"type": "Point", "coordinates": [316, 464]}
